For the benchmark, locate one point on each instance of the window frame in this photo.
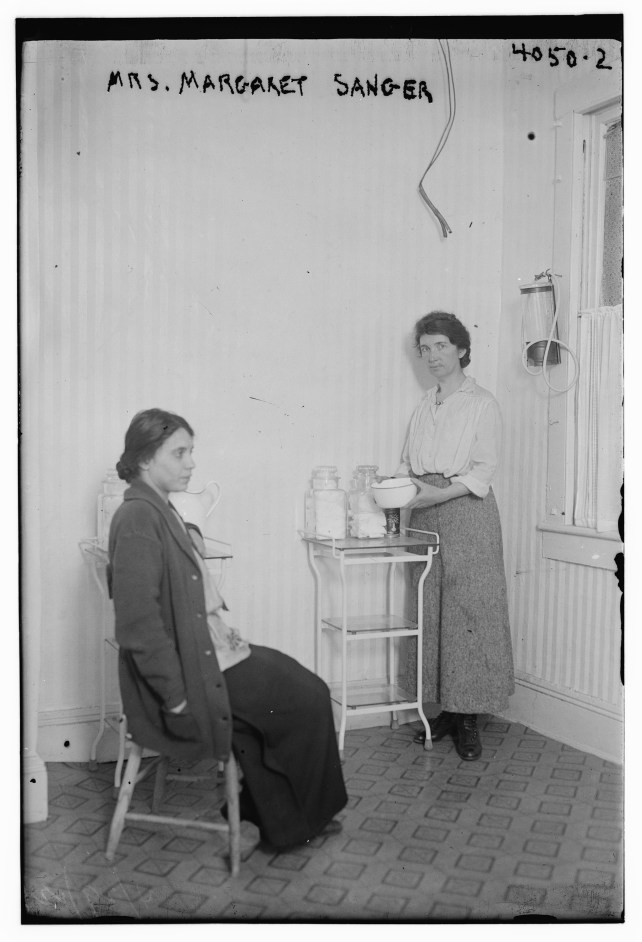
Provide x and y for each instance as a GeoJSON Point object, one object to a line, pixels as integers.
{"type": "Point", "coordinates": [582, 108]}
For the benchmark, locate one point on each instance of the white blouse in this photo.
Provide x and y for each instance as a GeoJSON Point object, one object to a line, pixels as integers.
{"type": "Point", "coordinates": [461, 438]}
{"type": "Point", "coordinates": [230, 647]}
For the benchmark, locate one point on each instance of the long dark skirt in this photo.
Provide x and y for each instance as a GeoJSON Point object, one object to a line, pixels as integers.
{"type": "Point", "coordinates": [467, 650]}
{"type": "Point", "coordinates": [286, 745]}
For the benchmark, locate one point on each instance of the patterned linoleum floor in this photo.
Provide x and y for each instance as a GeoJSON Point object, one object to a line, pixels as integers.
{"type": "Point", "coordinates": [532, 830]}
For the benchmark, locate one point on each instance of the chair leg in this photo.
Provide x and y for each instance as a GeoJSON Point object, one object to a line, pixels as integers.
{"type": "Point", "coordinates": [122, 742]}
{"type": "Point", "coordinates": [233, 814]}
{"type": "Point", "coordinates": [124, 798]}
{"type": "Point", "coordinates": [159, 784]}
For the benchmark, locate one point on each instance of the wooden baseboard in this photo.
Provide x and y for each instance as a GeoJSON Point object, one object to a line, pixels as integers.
{"type": "Point", "coordinates": [67, 736]}
{"type": "Point", "coordinates": [576, 720]}
{"type": "Point", "coordinates": [590, 725]}
{"type": "Point", "coordinates": [584, 723]}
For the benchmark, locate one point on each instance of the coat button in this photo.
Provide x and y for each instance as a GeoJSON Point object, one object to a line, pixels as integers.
{"type": "Point", "coordinates": [199, 615]}
{"type": "Point", "coordinates": [195, 578]}
{"type": "Point", "coordinates": [208, 653]}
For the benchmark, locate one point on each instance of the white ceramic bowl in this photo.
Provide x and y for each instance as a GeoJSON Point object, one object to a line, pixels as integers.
{"type": "Point", "coordinates": [394, 492]}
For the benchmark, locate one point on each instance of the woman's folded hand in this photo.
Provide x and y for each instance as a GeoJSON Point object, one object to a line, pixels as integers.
{"type": "Point", "coordinates": [179, 708]}
{"type": "Point", "coordinates": [427, 495]}
{"type": "Point", "coordinates": [182, 725]}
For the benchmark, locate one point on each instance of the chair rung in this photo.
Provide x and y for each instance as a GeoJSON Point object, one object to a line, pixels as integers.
{"type": "Point", "coordinates": [142, 775]}
{"type": "Point", "coordinates": [188, 778]}
{"type": "Point", "coordinates": [181, 822]}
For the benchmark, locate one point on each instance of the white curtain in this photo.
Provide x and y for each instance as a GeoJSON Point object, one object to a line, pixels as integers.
{"type": "Point", "coordinates": [599, 461]}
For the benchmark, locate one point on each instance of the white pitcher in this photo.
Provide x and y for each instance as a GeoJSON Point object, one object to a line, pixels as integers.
{"type": "Point", "coordinates": [196, 506]}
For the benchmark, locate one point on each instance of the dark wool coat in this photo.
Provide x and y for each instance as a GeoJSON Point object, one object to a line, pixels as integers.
{"type": "Point", "coordinates": [166, 653]}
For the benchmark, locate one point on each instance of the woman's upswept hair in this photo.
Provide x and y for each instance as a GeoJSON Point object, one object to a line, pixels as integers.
{"type": "Point", "coordinates": [440, 322]}
{"type": "Point", "coordinates": [146, 433]}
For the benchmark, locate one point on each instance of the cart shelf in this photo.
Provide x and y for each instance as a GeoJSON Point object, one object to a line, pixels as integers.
{"type": "Point", "coordinates": [376, 625]}
{"type": "Point", "coordinates": [369, 698]}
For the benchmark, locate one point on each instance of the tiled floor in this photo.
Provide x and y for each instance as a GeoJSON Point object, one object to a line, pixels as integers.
{"type": "Point", "coordinates": [532, 829]}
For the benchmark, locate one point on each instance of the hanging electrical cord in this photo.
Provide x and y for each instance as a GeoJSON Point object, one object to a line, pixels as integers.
{"type": "Point", "coordinates": [452, 107]}
{"type": "Point", "coordinates": [544, 369]}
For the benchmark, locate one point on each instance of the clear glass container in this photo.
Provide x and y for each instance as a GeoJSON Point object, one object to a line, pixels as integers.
{"type": "Point", "coordinates": [325, 504]}
{"type": "Point", "coordinates": [366, 520]}
{"type": "Point", "coordinates": [109, 500]}
{"type": "Point", "coordinates": [325, 477]}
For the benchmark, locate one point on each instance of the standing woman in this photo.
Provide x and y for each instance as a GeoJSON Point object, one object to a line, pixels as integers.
{"type": "Point", "coordinates": [191, 686]}
{"type": "Point", "coordinates": [451, 453]}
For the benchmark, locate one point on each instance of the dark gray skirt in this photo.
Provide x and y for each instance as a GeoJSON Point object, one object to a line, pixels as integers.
{"type": "Point", "coordinates": [467, 650]}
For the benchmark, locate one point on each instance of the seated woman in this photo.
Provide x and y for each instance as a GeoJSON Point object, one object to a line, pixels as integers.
{"type": "Point", "coordinates": [191, 686]}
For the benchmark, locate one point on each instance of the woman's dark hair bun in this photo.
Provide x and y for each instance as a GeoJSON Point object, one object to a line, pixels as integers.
{"type": "Point", "coordinates": [124, 471]}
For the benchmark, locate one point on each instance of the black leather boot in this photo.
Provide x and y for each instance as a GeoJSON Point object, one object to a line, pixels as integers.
{"type": "Point", "coordinates": [467, 741]}
{"type": "Point", "coordinates": [439, 727]}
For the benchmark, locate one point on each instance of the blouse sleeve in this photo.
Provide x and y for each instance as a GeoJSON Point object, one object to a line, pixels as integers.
{"type": "Point", "coordinates": [485, 451]}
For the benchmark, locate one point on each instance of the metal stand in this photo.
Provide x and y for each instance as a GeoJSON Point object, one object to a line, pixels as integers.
{"type": "Point", "coordinates": [391, 551]}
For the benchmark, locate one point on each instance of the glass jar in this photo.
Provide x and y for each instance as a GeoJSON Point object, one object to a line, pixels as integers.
{"type": "Point", "coordinates": [366, 519]}
{"type": "Point", "coordinates": [325, 504]}
{"type": "Point", "coordinates": [109, 500]}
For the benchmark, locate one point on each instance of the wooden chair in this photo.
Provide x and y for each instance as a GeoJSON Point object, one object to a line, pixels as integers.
{"type": "Point", "coordinates": [133, 775]}
{"type": "Point", "coordinates": [217, 554]}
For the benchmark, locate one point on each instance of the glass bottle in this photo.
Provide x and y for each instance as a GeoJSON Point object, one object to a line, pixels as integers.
{"type": "Point", "coordinates": [109, 500]}
{"type": "Point", "coordinates": [325, 504]}
{"type": "Point", "coordinates": [366, 519]}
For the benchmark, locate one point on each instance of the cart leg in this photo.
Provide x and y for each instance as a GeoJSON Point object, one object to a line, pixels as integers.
{"type": "Point", "coordinates": [420, 637]}
{"type": "Point", "coordinates": [392, 680]}
{"type": "Point", "coordinates": [344, 655]}
{"type": "Point", "coordinates": [318, 628]}
{"type": "Point", "coordinates": [392, 664]}
{"type": "Point", "coordinates": [422, 717]}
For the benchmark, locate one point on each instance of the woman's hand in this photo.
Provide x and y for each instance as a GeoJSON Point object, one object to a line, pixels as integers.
{"type": "Point", "coordinates": [179, 709]}
{"type": "Point", "coordinates": [427, 495]}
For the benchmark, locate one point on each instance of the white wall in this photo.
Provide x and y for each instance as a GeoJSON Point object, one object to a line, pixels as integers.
{"type": "Point", "coordinates": [255, 264]}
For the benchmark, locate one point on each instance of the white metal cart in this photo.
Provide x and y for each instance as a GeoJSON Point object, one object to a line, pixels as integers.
{"type": "Point", "coordinates": [412, 546]}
